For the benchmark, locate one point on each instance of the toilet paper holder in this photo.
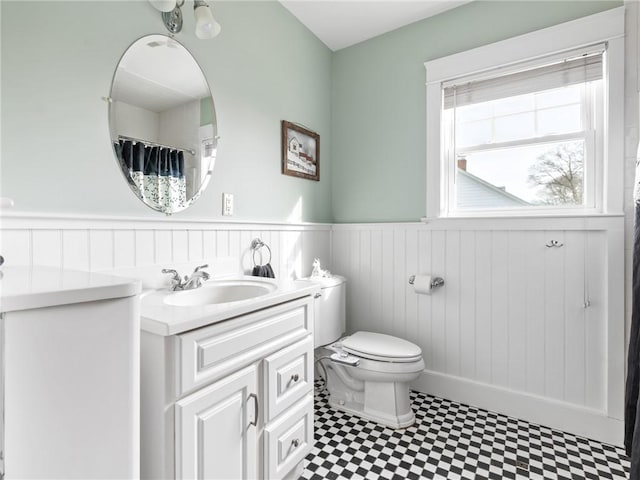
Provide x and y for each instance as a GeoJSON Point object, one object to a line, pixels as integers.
{"type": "Point", "coordinates": [435, 282]}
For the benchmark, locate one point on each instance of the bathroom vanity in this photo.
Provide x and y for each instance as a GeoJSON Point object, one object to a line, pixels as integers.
{"type": "Point", "coordinates": [227, 387]}
{"type": "Point", "coordinates": [69, 376]}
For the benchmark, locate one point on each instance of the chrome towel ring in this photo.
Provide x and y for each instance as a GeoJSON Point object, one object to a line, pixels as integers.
{"type": "Point", "coordinates": [256, 245]}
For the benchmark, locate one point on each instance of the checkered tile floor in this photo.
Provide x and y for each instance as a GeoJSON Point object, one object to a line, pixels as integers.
{"type": "Point", "coordinates": [453, 441]}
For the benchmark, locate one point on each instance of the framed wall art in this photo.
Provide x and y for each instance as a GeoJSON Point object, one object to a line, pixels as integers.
{"type": "Point", "coordinates": [300, 151]}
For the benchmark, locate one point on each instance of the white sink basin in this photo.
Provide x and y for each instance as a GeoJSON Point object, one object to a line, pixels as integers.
{"type": "Point", "coordinates": [220, 291]}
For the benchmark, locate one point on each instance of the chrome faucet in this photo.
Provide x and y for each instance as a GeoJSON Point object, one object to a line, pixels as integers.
{"type": "Point", "coordinates": [190, 281]}
{"type": "Point", "coordinates": [197, 277]}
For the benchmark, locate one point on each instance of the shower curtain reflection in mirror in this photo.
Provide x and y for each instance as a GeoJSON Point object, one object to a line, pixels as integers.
{"type": "Point", "coordinates": [156, 174]}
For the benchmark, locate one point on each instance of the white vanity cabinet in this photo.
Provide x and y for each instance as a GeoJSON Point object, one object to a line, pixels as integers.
{"type": "Point", "coordinates": [69, 375]}
{"type": "Point", "coordinates": [230, 400]}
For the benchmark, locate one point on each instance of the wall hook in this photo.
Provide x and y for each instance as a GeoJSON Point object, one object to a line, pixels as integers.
{"type": "Point", "coordinates": [554, 243]}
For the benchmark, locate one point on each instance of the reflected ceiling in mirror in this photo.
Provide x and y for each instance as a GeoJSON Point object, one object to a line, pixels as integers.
{"type": "Point", "coordinates": [163, 123]}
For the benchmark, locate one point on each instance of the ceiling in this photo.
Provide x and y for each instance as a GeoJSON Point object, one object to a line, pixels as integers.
{"type": "Point", "coordinates": [342, 23]}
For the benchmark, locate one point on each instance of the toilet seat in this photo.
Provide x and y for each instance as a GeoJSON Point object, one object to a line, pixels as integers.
{"type": "Point", "coordinates": [381, 348]}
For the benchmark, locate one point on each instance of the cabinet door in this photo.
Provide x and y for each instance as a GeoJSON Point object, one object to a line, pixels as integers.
{"type": "Point", "coordinates": [215, 429]}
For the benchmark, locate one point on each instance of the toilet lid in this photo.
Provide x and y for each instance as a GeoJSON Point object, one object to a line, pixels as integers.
{"type": "Point", "coordinates": [377, 346]}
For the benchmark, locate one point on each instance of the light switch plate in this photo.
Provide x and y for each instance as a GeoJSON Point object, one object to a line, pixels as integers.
{"type": "Point", "coordinates": [227, 204]}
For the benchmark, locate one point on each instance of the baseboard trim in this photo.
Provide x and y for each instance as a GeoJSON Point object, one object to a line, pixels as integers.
{"type": "Point", "coordinates": [563, 416]}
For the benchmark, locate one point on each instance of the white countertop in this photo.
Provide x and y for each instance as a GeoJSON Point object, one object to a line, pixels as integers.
{"type": "Point", "coordinates": [161, 319]}
{"type": "Point", "coordinates": [24, 288]}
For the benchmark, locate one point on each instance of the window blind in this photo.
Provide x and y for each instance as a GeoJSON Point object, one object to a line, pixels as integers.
{"type": "Point", "coordinates": [586, 68]}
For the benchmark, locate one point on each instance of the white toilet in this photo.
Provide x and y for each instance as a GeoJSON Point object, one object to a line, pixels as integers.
{"type": "Point", "coordinates": [368, 374]}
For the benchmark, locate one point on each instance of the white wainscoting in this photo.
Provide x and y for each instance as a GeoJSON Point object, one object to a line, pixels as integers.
{"type": "Point", "coordinates": [508, 332]}
{"type": "Point", "coordinates": [519, 328]}
{"type": "Point", "coordinates": [110, 243]}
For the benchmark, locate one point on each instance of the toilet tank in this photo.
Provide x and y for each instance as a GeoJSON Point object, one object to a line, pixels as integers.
{"type": "Point", "coordinates": [329, 309]}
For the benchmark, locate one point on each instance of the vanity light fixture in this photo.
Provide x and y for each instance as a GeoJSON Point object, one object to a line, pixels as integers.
{"type": "Point", "coordinates": [163, 5]}
{"type": "Point", "coordinates": [173, 18]}
{"type": "Point", "coordinates": [206, 25]}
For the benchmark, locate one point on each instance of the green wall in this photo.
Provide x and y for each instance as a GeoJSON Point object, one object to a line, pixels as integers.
{"type": "Point", "coordinates": [367, 102]}
{"type": "Point", "coordinates": [58, 60]}
{"type": "Point", "coordinates": [378, 101]}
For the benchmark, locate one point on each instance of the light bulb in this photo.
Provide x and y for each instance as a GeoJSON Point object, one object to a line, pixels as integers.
{"type": "Point", "coordinates": [163, 5]}
{"type": "Point", "coordinates": [206, 25]}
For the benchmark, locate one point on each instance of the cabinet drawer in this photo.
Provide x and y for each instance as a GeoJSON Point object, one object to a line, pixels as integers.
{"type": "Point", "coordinates": [288, 377]}
{"type": "Point", "coordinates": [289, 439]}
{"type": "Point", "coordinates": [209, 353]}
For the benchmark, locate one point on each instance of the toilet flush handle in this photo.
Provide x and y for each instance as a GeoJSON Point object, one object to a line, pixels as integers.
{"type": "Point", "coordinates": [317, 295]}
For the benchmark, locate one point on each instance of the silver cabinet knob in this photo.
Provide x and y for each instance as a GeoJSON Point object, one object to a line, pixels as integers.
{"type": "Point", "coordinates": [295, 378]}
{"type": "Point", "coordinates": [295, 442]}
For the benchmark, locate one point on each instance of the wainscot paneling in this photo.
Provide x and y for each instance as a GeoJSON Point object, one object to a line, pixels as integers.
{"type": "Point", "coordinates": [519, 327]}
{"type": "Point", "coordinates": [106, 243]}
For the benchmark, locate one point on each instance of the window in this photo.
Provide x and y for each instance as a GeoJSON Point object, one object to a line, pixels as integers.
{"type": "Point", "coordinates": [521, 130]}
{"type": "Point", "coordinates": [525, 139]}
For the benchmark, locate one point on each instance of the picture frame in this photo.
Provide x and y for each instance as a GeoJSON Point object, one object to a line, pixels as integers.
{"type": "Point", "coordinates": [300, 151]}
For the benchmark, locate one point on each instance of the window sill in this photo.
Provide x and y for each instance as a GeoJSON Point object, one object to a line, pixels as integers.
{"type": "Point", "coordinates": [565, 221]}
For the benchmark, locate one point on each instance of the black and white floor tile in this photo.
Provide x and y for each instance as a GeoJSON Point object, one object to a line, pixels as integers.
{"type": "Point", "coordinates": [453, 441]}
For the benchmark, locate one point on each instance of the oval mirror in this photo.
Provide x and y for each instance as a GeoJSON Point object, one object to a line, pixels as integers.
{"type": "Point", "coordinates": [163, 123]}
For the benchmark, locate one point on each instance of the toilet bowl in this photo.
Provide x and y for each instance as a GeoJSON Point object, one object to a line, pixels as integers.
{"type": "Point", "coordinates": [368, 374]}
{"type": "Point", "coordinates": [377, 387]}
